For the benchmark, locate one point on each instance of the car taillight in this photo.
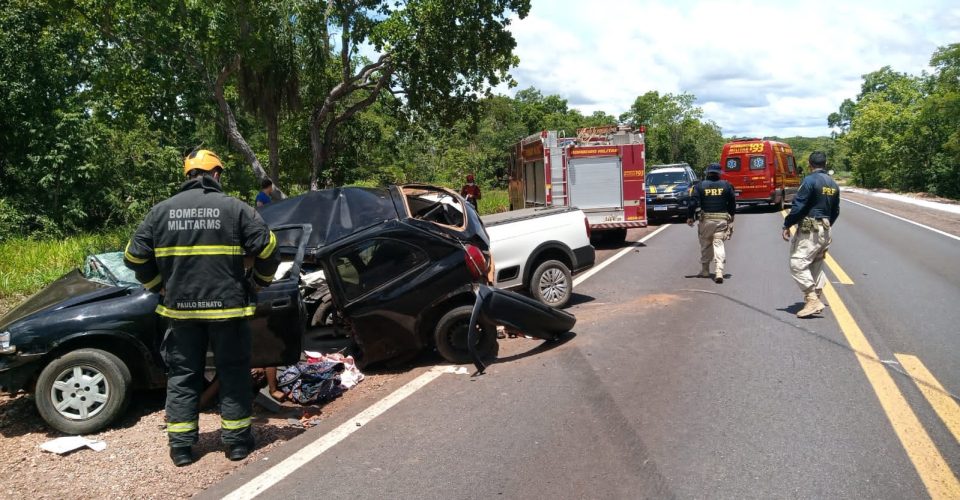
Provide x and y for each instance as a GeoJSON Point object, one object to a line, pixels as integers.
{"type": "Point", "coordinates": [476, 262]}
{"type": "Point", "coordinates": [586, 222]}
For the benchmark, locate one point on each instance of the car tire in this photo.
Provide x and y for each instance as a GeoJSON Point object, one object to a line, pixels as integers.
{"type": "Point", "coordinates": [450, 336]}
{"type": "Point", "coordinates": [552, 283]}
{"type": "Point", "coordinates": [102, 385]}
{"type": "Point", "coordinates": [325, 313]}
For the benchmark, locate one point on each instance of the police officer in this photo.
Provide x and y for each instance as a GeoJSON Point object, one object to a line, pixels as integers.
{"type": "Point", "coordinates": [815, 211]}
{"type": "Point", "coordinates": [718, 205]}
{"type": "Point", "coordinates": [190, 248]}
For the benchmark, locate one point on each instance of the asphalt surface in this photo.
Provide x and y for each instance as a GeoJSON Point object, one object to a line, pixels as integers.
{"type": "Point", "coordinates": [674, 386]}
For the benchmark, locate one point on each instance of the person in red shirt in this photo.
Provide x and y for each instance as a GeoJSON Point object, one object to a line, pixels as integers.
{"type": "Point", "coordinates": [470, 191]}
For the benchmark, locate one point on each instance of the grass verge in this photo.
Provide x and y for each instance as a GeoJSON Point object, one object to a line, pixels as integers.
{"type": "Point", "coordinates": [27, 264]}
{"type": "Point", "coordinates": [494, 201]}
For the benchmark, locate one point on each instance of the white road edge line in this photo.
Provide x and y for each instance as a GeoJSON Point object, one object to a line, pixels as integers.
{"type": "Point", "coordinates": [948, 235]}
{"type": "Point", "coordinates": [583, 277]}
{"type": "Point", "coordinates": [275, 474]}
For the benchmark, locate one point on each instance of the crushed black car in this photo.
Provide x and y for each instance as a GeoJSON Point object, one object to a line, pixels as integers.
{"type": "Point", "coordinates": [403, 265]}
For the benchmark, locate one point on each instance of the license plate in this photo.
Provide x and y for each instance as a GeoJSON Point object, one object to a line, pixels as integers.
{"type": "Point", "coordinates": [656, 208]}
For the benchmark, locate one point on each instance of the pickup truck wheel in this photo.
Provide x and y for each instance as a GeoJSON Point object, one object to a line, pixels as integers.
{"type": "Point", "coordinates": [451, 337]}
{"type": "Point", "coordinates": [83, 391]}
{"type": "Point", "coordinates": [552, 283]}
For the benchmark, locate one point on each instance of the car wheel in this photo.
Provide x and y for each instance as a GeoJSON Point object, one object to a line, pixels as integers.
{"type": "Point", "coordinates": [83, 391]}
{"type": "Point", "coordinates": [451, 337]}
{"type": "Point", "coordinates": [325, 313]}
{"type": "Point", "coordinates": [552, 283]}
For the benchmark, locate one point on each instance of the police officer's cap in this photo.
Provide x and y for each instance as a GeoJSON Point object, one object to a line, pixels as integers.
{"type": "Point", "coordinates": [818, 159]}
{"type": "Point", "coordinates": [713, 168]}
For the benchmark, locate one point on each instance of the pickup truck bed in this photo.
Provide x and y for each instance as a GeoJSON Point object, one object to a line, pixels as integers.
{"type": "Point", "coordinates": [539, 249]}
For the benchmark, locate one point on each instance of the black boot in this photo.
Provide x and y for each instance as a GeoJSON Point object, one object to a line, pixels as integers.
{"type": "Point", "coordinates": [239, 451]}
{"type": "Point", "coordinates": [181, 455]}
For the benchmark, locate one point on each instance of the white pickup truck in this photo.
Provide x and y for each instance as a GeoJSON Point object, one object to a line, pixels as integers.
{"type": "Point", "coordinates": [539, 249]}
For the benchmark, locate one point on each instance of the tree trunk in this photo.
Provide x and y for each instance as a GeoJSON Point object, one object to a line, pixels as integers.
{"type": "Point", "coordinates": [273, 144]}
{"type": "Point", "coordinates": [234, 136]}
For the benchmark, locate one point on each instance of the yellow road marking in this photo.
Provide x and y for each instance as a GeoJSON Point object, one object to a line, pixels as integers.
{"type": "Point", "coordinates": [835, 268]}
{"type": "Point", "coordinates": [837, 271]}
{"type": "Point", "coordinates": [945, 406]}
{"type": "Point", "coordinates": [934, 471]}
{"type": "Point", "coordinates": [926, 458]}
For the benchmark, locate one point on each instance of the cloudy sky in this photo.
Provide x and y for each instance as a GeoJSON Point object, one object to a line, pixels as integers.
{"type": "Point", "coordinates": [757, 68]}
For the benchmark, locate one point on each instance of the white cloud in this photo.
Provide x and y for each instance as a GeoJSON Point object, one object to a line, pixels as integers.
{"type": "Point", "coordinates": [756, 68]}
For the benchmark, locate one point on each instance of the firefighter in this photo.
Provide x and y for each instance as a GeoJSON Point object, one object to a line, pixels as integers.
{"type": "Point", "coordinates": [471, 191]}
{"type": "Point", "coordinates": [814, 212]}
{"type": "Point", "coordinates": [190, 248]}
{"type": "Point", "coordinates": [718, 205]}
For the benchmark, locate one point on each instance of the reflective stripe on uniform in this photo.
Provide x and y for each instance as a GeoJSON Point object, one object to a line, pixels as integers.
{"type": "Point", "coordinates": [235, 312]}
{"type": "Point", "coordinates": [129, 256]}
{"type": "Point", "coordinates": [232, 425]}
{"type": "Point", "coordinates": [268, 250]}
{"type": "Point", "coordinates": [178, 427]}
{"type": "Point", "coordinates": [265, 279]}
{"type": "Point", "coordinates": [154, 282]}
{"type": "Point", "coordinates": [198, 250]}
{"type": "Point", "coordinates": [716, 215]}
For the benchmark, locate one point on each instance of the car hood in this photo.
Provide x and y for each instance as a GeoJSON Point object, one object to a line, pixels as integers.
{"type": "Point", "coordinates": [71, 289]}
{"type": "Point", "coordinates": [334, 214]}
{"type": "Point", "coordinates": [667, 188]}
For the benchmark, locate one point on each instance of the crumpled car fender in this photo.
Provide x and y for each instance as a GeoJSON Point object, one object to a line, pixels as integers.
{"type": "Point", "coordinates": [516, 312]}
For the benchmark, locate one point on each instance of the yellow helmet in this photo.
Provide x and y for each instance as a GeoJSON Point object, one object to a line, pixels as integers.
{"type": "Point", "coordinates": [202, 159]}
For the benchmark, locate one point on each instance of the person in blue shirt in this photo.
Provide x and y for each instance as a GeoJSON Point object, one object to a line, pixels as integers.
{"type": "Point", "coordinates": [266, 189]}
{"type": "Point", "coordinates": [717, 202]}
{"type": "Point", "coordinates": [815, 210]}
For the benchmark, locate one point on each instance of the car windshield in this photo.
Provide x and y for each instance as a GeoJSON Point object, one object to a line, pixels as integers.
{"type": "Point", "coordinates": [658, 178]}
{"type": "Point", "coordinates": [108, 268]}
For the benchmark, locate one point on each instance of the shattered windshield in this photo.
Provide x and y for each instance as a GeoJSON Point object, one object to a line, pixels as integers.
{"type": "Point", "coordinates": [108, 268]}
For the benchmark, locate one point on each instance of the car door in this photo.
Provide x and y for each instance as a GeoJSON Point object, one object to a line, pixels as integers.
{"type": "Point", "coordinates": [385, 280]}
{"type": "Point", "coordinates": [280, 319]}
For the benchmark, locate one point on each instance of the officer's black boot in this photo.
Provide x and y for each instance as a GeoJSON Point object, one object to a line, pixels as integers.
{"type": "Point", "coordinates": [181, 455]}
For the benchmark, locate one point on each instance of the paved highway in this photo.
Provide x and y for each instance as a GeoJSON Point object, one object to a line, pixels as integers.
{"type": "Point", "coordinates": [674, 386]}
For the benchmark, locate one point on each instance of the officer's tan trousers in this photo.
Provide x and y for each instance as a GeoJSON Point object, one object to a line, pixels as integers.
{"type": "Point", "coordinates": [808, 249]}
{"type": "Point", "coordinates": [712, 232]}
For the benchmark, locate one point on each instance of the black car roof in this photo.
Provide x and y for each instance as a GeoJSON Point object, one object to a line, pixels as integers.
{"type": "Point", "coordinates": [334, 213]}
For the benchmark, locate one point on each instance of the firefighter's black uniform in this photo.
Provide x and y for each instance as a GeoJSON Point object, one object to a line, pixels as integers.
{"type": "Point", "coordinates": [192, 247]}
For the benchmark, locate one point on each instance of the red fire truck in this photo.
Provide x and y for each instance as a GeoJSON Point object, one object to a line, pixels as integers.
{"type": "Point", "coordinates": [601, 171]}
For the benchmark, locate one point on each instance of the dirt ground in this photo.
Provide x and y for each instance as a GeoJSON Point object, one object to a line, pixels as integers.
{"type": "Point", "coordinates": [135, 463]}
